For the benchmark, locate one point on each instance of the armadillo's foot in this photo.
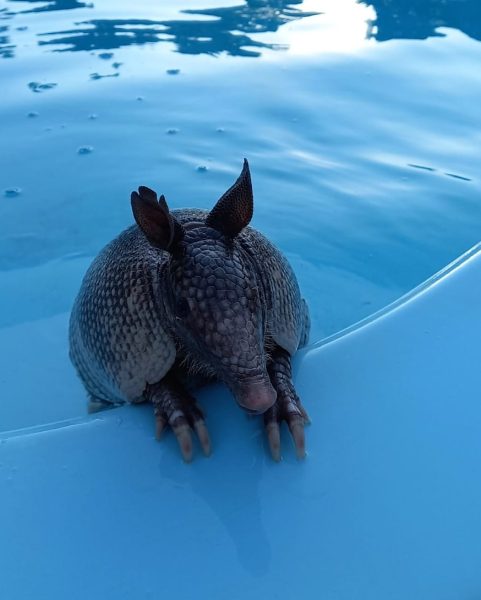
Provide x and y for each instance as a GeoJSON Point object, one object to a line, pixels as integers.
{"type": "Point", "coordinates": [175, 407]}
{"type": "Point", "coordinates": [287, 407]}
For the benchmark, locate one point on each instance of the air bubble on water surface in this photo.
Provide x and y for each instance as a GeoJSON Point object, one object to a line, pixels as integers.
{"type": "Point", "coordinates": [12, 192]}
{"type": "Point", "coordinates": [37, 87]}
{"type": "Point", "coordinates": [96, 76]}
{"type": "Point", "coordinates": [85, 150]}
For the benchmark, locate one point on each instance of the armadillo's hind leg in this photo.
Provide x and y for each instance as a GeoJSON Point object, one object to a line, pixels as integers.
{"type": "Point", "coordinates": [175, 407]}
{"type": "Point", "coordinates": [287, 407]}
{"type": "Point", "coordinates": [96, 404]}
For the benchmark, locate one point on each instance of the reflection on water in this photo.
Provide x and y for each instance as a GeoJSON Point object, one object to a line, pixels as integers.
{"type": "Point", "coordinates": [419, 19]}
{"type": "Point", "coordinates": [226, 32]}
{"type": "Point", "coordinates": [102, 34]}
{"type": "Point", "coordinates": [236, 501]}
{"type": "Point", "coordinates": [52, 5]}
{"type": "Point", "coordinates": [230, 29]}
{"type": "Point", "coordinates": [6, 48]}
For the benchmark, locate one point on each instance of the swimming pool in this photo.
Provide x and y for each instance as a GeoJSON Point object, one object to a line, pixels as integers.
{"type": "Point", "coordinates": [361, 123]}
{"type": "Point", "coordinates": [359, 119]}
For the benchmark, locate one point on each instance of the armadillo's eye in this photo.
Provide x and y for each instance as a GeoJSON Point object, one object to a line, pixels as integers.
{"type": "Point", "coordinates": [181, 308]}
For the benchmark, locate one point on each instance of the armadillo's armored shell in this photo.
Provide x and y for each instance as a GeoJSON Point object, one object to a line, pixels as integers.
{"type": "Point", "coordinates": [287, 313]}
{"type": "Point", "coordinates": [118, 341]}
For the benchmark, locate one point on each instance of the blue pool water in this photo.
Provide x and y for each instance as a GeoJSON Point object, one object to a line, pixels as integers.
{"type": "Point", "coordinates": [361, 122]}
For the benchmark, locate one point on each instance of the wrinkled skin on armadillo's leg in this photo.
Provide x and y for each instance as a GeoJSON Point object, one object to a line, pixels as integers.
{"type": "Point", "coordinates": [287, 407]}
{"type": "Point", "coordinates": [175, 407]}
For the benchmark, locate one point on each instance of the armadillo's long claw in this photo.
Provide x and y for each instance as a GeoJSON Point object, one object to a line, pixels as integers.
{"type": "Point", "coordinates": [305, 416]}
{"type": "Point", "coordinates": [296, 427]}
{"type": "Point", "coordinates": [176, 408]}
{"type": "Point", "coordinates": [160, 424]}
{"type": "Point", "coordinates": [203, 435]}
{"type": "Point", "coordinates": [291, 411]}
{"type": "Point", "coordinates": [274, 439]}
{"type": "Point", "coordinates": [287, 406]}
{"type": "Point", "coordinates": [184, 437]}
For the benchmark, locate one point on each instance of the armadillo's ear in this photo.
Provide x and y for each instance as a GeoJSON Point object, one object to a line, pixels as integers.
{"type": "Point", "coordinates": [234, 210]}
{"type": "Point", "coordinates": [153, 217]}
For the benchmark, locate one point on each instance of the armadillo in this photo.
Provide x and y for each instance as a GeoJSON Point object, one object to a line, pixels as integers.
{"type": "Point", "coordinates": [188, 296]}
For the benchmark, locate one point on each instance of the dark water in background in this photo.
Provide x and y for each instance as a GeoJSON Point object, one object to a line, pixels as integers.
{"type": "Point", "coordinates": [361, 122]}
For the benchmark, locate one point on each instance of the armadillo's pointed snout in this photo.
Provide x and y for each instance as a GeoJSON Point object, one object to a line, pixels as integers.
{"type": "Point", "coordinates": [256, 398]}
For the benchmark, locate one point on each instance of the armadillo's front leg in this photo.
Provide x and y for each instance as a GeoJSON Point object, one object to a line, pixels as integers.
{"type": "Point", "coordinates": [174, 406]}
{"type": "Point", "coordinates": [287, 407]}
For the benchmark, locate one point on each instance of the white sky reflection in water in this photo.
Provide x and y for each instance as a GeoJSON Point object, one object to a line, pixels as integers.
{"type": "Point", "coordinates": [341, 27]}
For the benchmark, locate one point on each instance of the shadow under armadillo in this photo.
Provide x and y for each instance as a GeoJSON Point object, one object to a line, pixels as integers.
{"type": "Point", "coordinates": [229, 481]}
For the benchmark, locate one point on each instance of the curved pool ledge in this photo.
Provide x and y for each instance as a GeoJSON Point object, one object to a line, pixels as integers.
{"type": "Point", "coordinates": [385, 506]}
{"type": "Point", "coordinates": [413, 294]}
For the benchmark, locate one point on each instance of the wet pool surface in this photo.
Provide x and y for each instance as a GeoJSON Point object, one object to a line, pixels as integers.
{"type": "Point", "coordinates": [360, 120]}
